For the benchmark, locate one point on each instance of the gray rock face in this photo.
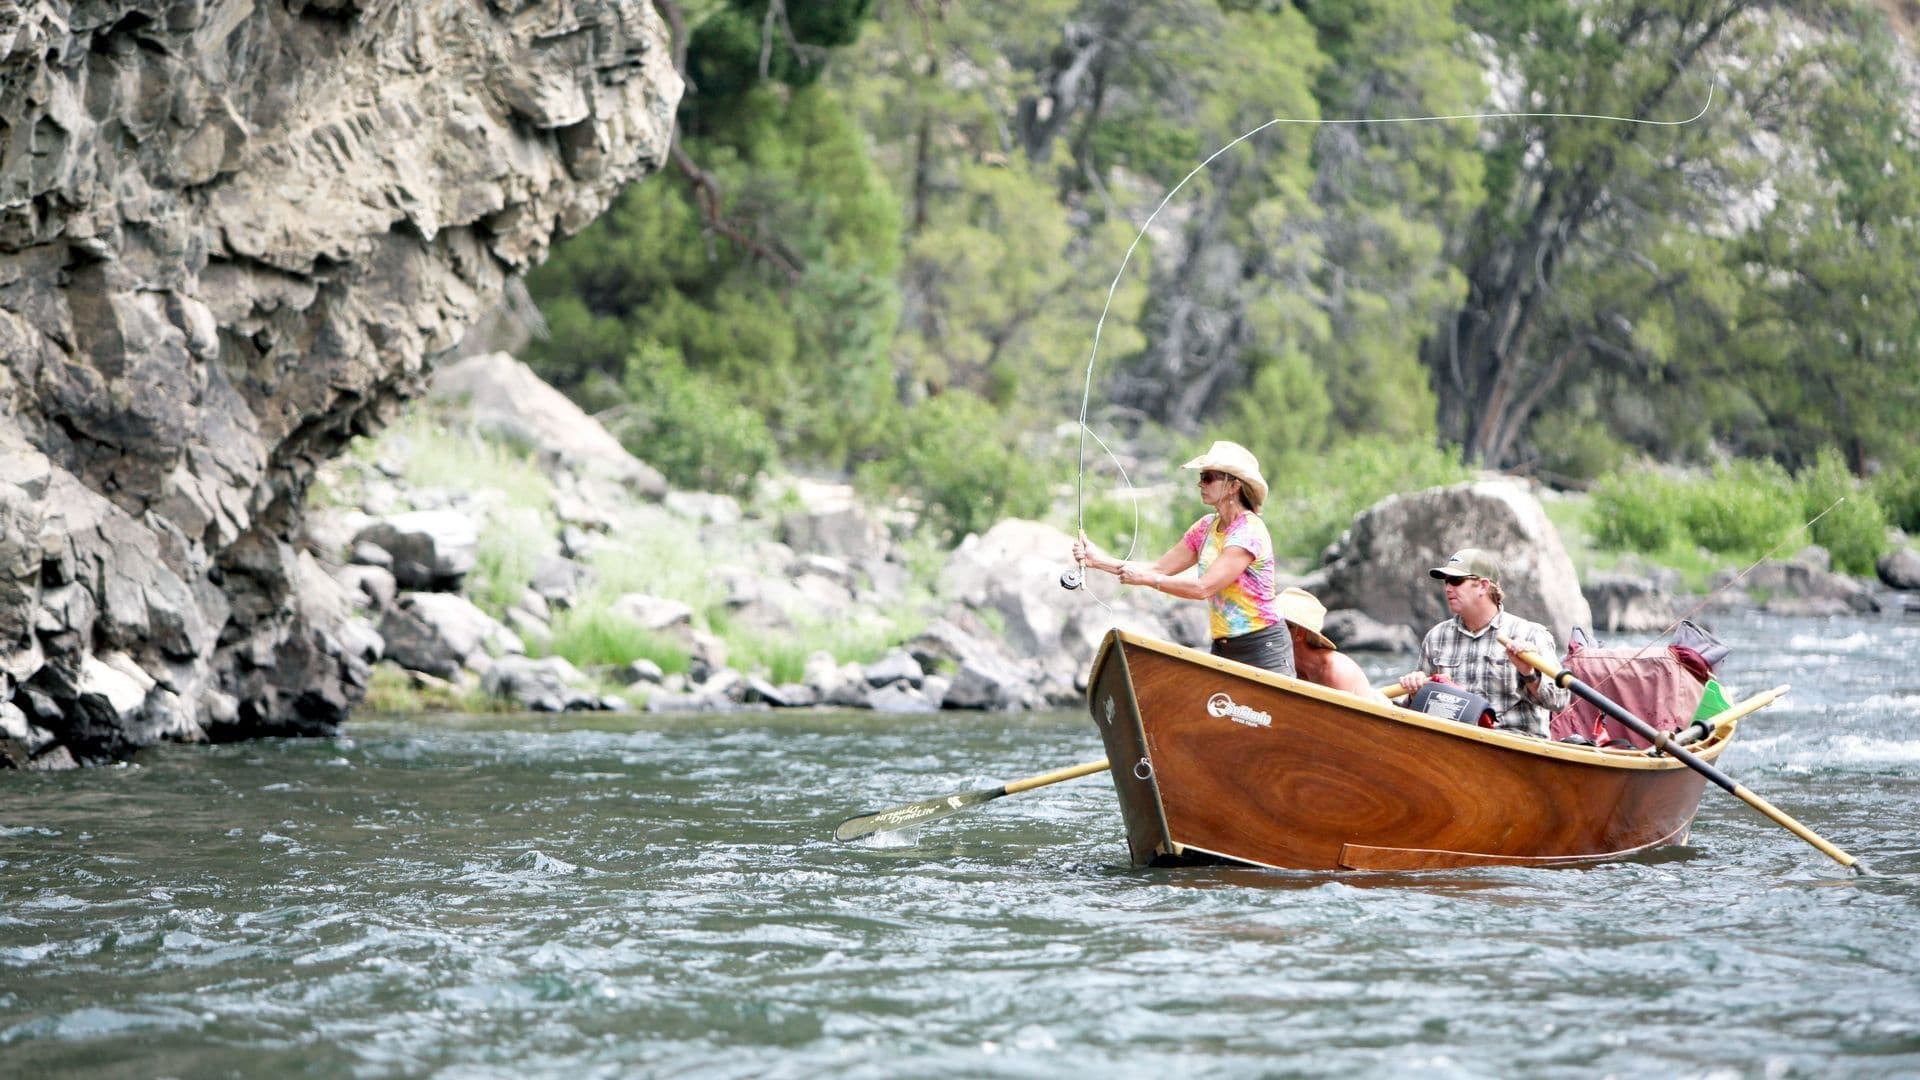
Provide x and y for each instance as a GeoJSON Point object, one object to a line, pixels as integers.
{"type": "Point", "coordinates": [1356, 631]}
{"type": "Point", "coordinates": [232, 236]}
{"type": "Point", "coordinates": [426, 549]}
{"type": "Point", "coordinates": [504, 396]}
{"type": "Point", "coordinates": [1803, 586]}
{"type": "Point", "coordinates": [1381, 565]}
{"type": "Point", "coordinates": [1625, 602]}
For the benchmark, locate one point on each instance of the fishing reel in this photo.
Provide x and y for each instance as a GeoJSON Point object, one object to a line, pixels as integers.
{"type": "Point", "coordinates": [1073, 577]}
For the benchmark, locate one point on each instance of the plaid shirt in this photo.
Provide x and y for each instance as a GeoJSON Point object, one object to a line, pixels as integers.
{"type": "Point", "coordinates": [1477, 662]}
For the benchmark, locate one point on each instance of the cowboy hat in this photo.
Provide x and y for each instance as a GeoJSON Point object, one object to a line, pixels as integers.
{"type": "Point", "coordinates": [1238, 462]}
{"type": "Point", "coordinates": [1299, 607]}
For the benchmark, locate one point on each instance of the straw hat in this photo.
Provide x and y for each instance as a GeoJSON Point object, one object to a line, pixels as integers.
{"type": "Point", "coordinates": [1236, 461]}
{"type": "Point", "coordinates": [1299, 607]}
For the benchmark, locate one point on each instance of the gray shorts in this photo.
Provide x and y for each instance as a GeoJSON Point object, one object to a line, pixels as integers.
{"type": "Point", "coordinates": [1271, 648]}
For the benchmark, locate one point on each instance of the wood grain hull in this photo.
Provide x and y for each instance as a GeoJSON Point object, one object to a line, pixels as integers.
{"type": "Point", "coordinates": [1214, 760]}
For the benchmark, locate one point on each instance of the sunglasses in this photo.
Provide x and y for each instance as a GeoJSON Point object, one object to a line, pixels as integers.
{"type": "Point", "coordinates": [1458, 581]}
{"type": "Point", "coordinates": [1210, 476]}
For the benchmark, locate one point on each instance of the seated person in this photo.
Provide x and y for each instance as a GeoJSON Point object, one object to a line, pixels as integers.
{"type": "Point", "coordinates": [1315, 658]}
{"type": "Point", "coordinates": [1466, 648]}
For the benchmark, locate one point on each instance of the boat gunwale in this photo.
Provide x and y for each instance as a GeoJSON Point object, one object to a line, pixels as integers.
{"type": "Point", "coordinates": [1572, 753]}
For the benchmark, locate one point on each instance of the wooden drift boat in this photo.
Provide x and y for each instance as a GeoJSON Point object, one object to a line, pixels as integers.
{"type": "Point", "coordinates": [1214, 760]}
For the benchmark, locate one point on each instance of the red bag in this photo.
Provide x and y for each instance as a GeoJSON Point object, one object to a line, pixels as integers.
{"type": "Point", "coordinates": [1654, 684]}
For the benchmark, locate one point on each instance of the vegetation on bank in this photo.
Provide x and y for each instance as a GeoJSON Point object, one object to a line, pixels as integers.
{"type": "Point", "coordinates": [503, 484]}
{"type": "Point", "coordinates": [893, 231]}
{"type": "Point", "coordinates": [1744, 510]}
{"type": "Point", "coordinates": [1697, 522]}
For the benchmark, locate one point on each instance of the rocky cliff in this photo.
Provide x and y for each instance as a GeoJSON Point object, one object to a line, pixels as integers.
{"type": "Point", "coordinates": [233, 235]}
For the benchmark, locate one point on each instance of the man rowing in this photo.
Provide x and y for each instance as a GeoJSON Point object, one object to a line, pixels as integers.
{"type": "Point", "coordinates": [1466, 650]}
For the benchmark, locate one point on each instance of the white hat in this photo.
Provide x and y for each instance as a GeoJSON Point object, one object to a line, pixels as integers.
{"type": "Point", "coordinates": [1301, 608]}
{"type": "Point", "coordinates": [1238, 462]}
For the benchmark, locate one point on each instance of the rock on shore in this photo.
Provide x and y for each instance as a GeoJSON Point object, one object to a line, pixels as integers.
{"type": "Point", "coordinates": [232, 237]}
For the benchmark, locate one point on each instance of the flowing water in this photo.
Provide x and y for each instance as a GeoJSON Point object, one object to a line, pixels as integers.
{"type": "Point", "coordinates": [619, 896]}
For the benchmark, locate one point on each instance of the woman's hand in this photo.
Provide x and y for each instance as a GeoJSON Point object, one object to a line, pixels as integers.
{"type": "Point", "coordinates": [1135, 574]}
{"type": "Point", "coordinates": [1086, 554]}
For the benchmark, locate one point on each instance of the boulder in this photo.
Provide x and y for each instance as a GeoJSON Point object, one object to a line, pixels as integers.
{"type": "Point", "coordinates": [1380, 566]}
{"type": "Point", "coordinates": [1356, 631]}
{"type": "Point", "coordinates": [653, 612]}
{"type": "Point", "coordinates": [897, 666]}
{"type": "Point", "coordinates": [499, 395]}
{"type": "Point", "coordinates": [641, 670]}
{"type": "Point", "coordinates": [783, 696]}
{"type": "Point", "coordinates": [844, 687]}
{"type": "Point", "coordinates": [1807, 607]}
{"type": "Point", "coordinates": [901, 697]}
{"type": "Point", "coordinates": [1900, 568]}
{"type": "Point", "coordinates": [429, 549]}
{"type": "Point", "coordinates": [440, 633]}
{"type": "Point", "coordinates": [838, 571]}
{"type": "Point", "coordinates": [558, 579]}
{"type": "Point", "coordinates": [705, 507]}
{"type": "Point", "coordinates": [984, 675]}
{"type": "Point", "coordinates": [549, 684]}
{"type": "Point", "coordinates": [1622, 602]}
{"type": "Point", "coordinates": [1803, 578]}
{"type": "Point", "coordinates": [846, 533]}
{"type": "Point", "coordinates": [371, 587]}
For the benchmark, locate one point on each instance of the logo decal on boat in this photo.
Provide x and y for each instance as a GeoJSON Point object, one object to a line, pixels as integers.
{"type": "Point", "coordinates": [1222, 705]}
{"type": "Point", "coordinates": [1109, 708]}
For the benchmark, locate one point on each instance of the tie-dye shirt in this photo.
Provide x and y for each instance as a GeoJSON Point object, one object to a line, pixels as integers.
{"type": "Point", "coordinates": [1248, 602]}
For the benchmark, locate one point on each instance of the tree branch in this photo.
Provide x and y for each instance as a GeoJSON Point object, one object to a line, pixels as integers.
{"type": "Point", "coordinates": [707, 194]}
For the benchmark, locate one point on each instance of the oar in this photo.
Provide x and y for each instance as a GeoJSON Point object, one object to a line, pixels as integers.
{"type": "Point", "coordinates": [945, 806]}
{"type": "Point", "coordinates": [1667, 745]}
{"type": "Point", "coordinates": [920, 813]}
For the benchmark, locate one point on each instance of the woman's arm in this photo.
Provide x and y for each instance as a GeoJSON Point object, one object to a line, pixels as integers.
{"type": "Point", "coordinates": [1178, 557]}
{"type": "Point", "coordinates": [1230, 565]}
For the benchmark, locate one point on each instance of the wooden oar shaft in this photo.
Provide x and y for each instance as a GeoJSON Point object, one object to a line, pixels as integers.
{"type": "Point", "coordinates": [1666, 745]}
{"type": "Point", "coordinates": [1071, 772]}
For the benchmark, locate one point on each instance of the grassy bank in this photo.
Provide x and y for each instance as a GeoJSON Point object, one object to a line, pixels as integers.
{"type": "Point", "coordinates": [645, 550]}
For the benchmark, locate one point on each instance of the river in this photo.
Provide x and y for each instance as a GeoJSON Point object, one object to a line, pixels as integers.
{"type": "Point", "coordinates": [639, 895]}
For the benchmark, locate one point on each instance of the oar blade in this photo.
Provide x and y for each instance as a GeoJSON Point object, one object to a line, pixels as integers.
{"type": "Point", "coordinates": [920, 813]}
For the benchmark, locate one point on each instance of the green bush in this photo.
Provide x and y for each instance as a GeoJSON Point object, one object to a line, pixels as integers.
{"type": "Point", "coordinates": [1743, 509]}
{"type": "Point", "coordinates": [954, 456]}
{"type": "Point", "coordinates": [1580, 449]}
{"type": "Point", "coordinates": [1314, 498]}
{"type": "Point", "coordinates": [1637, 510]}
{"type": "Point", "coordinates": [691, 428]}
{"type": "Point", "coordinates": [1897, 489]}
{"type": "Point", "coordinates": [1852, 526]}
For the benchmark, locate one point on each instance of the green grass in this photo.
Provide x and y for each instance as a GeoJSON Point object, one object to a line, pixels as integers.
{"type": "Point", "coordinates": [592, 636]}
{"type": "Point", "coordinates": [436, 456]}
{"type": "Point", "coordinates": [510, 547]}
{"type": "Point", "coordinates": [391, 690]}
{"type": "Point", "coordinates": [781, 655]}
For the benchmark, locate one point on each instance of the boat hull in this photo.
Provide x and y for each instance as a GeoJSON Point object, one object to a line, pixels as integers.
{"type": "Point", "coordinates": [1214, 760]}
